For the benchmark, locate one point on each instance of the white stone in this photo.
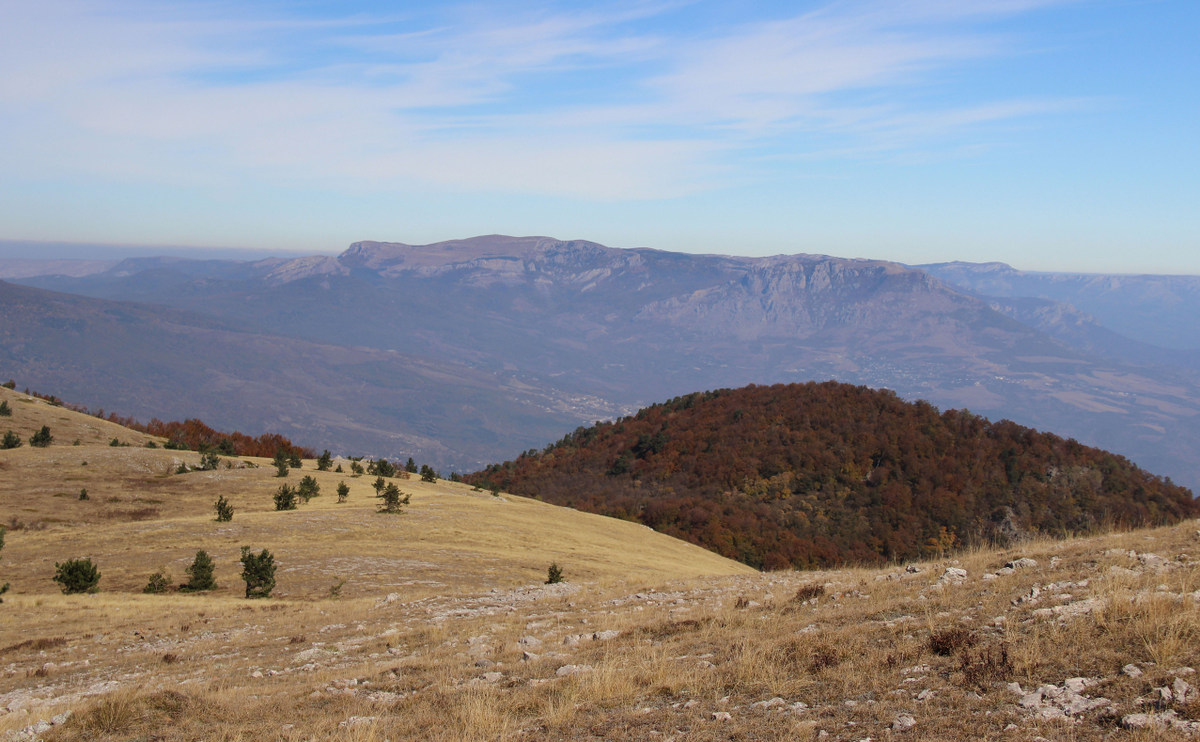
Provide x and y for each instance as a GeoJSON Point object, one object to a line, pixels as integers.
{"type": "Point", "coordinates": [903, 722]}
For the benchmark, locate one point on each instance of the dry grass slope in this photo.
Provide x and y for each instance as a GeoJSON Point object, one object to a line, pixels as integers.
{"type": "Point", "coordinates": [443, 630]}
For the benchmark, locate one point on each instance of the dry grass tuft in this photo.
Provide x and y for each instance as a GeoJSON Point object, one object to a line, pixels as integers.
{"type": "Point", "coordinates": [36, 645]}
{"type": "Point", "coordinates": [951, 641]}
{"type": "Point", "coordinates": [808, 592]}
{"type": "Point", "coordinates": [986, 666]}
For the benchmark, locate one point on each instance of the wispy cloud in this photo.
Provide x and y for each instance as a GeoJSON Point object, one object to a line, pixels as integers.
{"type": "Point", "coordinates": [609, 102]}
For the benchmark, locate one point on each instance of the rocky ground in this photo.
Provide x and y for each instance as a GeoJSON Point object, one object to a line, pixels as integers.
{"type": "Point", "coordinates": [1095, 638]}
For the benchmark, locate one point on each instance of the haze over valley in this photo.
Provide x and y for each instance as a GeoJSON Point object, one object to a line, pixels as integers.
{"type": "Point", "coordinates": [467, 352]}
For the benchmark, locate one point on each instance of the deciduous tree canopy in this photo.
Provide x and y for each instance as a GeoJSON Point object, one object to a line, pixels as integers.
{"type": "Point", "coordinates": [815, 474]}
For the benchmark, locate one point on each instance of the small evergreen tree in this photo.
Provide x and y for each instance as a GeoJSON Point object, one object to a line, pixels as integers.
{"type": "Point", "coordinates": [224, 510]}
{"type": "Point", "coordinates": [393, 499]}
{"type": "Point", "coordinates": [381, 467]}
{"type": "Point", "coordinates": [428, 474]}
{"type": "Point", "coordinates": [338, 469]}
{"type": "Point", "coordinates": [200, 574]}
{"type": "Point", "coordinates": [158, 583]}
{"type": "Point", "coordinates": [324, 461]}
{"type": "Point", "coordinates": [77, 576]}
{"type": "Point", "coordinates": [10, 384]}
{"type": "Point", "coordinates": [11, 440]}
{"type": "Point", "coordinates": [281, 463]}
{"type": "Point", "coordinates": [410, 466]}
{"type": "Point", "coordinates": [285, 498]}
{"type": "Point", "coordinates": [42, 438]}
{"type": "Point", "coordinates": [209, 460]}
{"type": "Point", "coordinates": [356, 469]}
{"type": "Point", "coordinates": [83, 495]}
{"type": "Point", "coordinates": [379, 484]}
{"type": "Point", "coordinates": [258, 571]}
{"type": "Point", "coordinates": [343, 491]}
{"type": "Point", "coordinates": [294, 460]}
{"type": "Point", "coordinates": [5, 410]}
{"type": "Point", "coordinates": [554, 574]}
{"type": "Point", "coordinates": [308, 488]}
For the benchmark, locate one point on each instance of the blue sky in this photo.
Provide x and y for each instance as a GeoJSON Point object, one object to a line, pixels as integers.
{"type": "Point", "coordinates": [1049, 134]}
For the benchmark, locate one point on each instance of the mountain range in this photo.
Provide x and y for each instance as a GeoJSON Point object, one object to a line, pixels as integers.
{"type": "Point", "coordinates": [466, 352]}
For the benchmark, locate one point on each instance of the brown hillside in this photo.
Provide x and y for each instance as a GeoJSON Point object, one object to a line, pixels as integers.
{"type": "Point", "coordinates": [816, 474]}
{"type": "Point", "coordinates": [435, 625]}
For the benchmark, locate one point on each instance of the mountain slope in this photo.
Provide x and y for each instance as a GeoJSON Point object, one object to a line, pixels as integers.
{"type": "Point", "coordinates": [1160, 310]}
{"type": "Point", "coordinates": [146, 362]}
{"type": "Point", "coordinates": [815, 474]}
{"type": "Point", "coordinates": [434, 624]}
{"type": "Point", "coordinates": [619, 328]}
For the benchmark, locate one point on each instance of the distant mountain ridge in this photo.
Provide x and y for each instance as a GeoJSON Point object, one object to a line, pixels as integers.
{"type": "Point", "coordinates": [1160, 310]}
{"type": "Point", "coordinates": [607, 329]}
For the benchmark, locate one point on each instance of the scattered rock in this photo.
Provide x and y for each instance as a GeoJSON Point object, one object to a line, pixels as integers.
{"type": "Point", "coordinates": [768, 704]}
{"type": "Point", "coordinates": [566, 670]}
{"type": "Point", "coordinates": [903, 722]}
{"type": "Point", "coordinates": [1052, 702]}
{"type": "Point", "coordinates": [1164, 720]}
{"type": "Point", "coordinates": [1022, 563]}
{"type": "Point", "coordinates": [954, 575]}
{"type": "Point", "coordinates": [1132, 671]}
{"type": "Point", "coordinates": [721, 716]}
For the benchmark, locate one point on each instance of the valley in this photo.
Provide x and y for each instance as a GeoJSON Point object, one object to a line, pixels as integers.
{"type": "Point", "coordinates": [470, 351]}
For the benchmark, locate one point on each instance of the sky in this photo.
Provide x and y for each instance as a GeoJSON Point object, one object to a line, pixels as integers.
{"type": "Point", "coordinates": [1047, 134]}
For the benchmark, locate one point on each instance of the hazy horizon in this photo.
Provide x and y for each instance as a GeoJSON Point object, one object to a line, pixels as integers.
{"type": "Point", "coordinates": [33, 250]}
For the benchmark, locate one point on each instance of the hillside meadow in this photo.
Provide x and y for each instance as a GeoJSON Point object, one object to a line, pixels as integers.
{"type": "Point", "coordinates": [436, 623]}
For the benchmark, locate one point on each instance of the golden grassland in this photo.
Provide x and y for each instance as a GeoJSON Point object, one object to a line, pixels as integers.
{"type": "Point", "coordinates": [434, 624]}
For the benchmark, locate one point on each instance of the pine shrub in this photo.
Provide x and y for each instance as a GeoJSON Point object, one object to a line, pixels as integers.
{"type": "Point", "coordinates": [224, 510]}
{"type": "Point", "coordinates": [554, 574]}
{"type": "Point", "coordinates": [393, 499]}
{"type": "Point", "coordinates": [285, 498]}
{"type": "Point", "coordinates": [258, 572]}
{"type": "Point", "coordinates": [158, 583]}
{"type": "Point", "coordinates": [42, 438]}
{"type": "Point", "coordinates": [77, 576]}
{"type": "Point", "coordinates": [343, 491]}
{"type": "Point", "coordinates": [308, 488]}
{"type": "Point", "coordinates": [200, 574]}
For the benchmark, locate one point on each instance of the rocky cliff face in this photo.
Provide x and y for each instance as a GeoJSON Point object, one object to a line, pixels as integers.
{"type": "Point", "coordinates": [615, 328]}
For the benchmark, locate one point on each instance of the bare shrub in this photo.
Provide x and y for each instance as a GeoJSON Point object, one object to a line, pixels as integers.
{"type": "Point", "coordinates": [950, 641]}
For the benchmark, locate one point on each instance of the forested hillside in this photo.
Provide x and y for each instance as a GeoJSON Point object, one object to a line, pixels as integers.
{"type": "Point", "coordinates": [820, 473]}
